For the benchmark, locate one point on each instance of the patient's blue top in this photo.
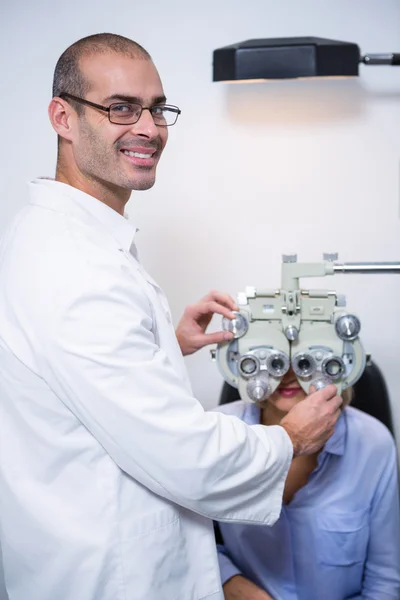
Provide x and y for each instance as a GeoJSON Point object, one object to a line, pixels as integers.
{"type": "Point", "coordinates": [339, 538]}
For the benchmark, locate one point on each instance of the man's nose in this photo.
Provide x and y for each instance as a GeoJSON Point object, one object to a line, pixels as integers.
{"type": "Point", "coordinates": [145, 126]}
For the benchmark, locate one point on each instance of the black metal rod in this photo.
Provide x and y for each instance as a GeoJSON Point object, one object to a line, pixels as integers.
{"type": "Point", "coordinates": [390, 58]}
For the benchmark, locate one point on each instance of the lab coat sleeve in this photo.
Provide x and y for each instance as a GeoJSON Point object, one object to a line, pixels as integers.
{"type": "Point", "coordinates": [382, 568]}
{"type": "Point", "coordinates": [101, 358]}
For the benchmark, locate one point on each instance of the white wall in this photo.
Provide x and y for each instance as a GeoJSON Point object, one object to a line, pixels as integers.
{"type": "Point", "coordinates": [251, 171]}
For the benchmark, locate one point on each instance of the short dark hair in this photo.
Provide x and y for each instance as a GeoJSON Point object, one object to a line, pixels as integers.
{"type": "Point", "coordinates": [68, 76]}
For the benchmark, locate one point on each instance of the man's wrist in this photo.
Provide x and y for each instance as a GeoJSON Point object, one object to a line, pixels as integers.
{"type": "Point", "coordinates": [292, 437]}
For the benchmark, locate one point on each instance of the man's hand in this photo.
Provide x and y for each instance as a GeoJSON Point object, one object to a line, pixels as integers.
{"type": "Point", "coordinates": [240, 588]}
{"type": "Point", "coordinates": [196, 318]}
{"type": "Point", "coordinates": [311, 422]}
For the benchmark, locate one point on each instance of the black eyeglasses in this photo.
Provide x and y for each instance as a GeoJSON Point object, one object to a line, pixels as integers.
{"type": "Point", "coordinates": [129, 113]}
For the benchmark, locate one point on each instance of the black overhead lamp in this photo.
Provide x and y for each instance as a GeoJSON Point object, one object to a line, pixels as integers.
{"type": "Point", "coordinates": [286, 58]}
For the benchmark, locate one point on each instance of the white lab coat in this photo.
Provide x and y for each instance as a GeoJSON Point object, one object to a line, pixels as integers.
{"type": "Point", "coordinates": [110, 469]}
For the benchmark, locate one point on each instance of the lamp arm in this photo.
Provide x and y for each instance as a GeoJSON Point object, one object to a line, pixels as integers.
{"type": "Point", "coordinates": [391, 58]}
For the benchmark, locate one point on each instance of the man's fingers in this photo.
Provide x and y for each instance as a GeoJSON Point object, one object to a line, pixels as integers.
{"type": "Point", "coordinates": [204, 308]}
{"type": "Point", "coordinates": [326, 393]}
{"type": "Point", "coordinates": [337, 402]}
{"type": "Point", "coordinates": [214, 338]}
{"type": "Point", "coordinates": [221, 298]}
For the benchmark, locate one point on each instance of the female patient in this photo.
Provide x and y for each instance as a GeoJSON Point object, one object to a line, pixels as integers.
{"type": "Point", "coordinates": [338, 536]}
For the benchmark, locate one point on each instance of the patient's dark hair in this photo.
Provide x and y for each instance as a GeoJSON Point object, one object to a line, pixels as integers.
{"type": "Point", "coordinates": [67, 74]}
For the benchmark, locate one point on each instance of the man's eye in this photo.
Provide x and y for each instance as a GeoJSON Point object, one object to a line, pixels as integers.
{"type": "Point", "coordinates": [158, 111]}
{"type": "Point", "coordinates": [123, 108]}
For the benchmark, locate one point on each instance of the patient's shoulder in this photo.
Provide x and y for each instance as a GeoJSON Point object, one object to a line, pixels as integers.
{"type": "Point", "coordinates": [367, 431]}
{"type": "Point", "coordinates": [237, 408]}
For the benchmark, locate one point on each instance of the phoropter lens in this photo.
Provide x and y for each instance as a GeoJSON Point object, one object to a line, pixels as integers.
{"type": "Point", "coordinates": [278, 364]}
{"type": "Point", "coordinates": [303, 365]}
{"type": "Point", "coordinates": [248, 365]}
{"type": "Point", "coordinates": [333, 368]}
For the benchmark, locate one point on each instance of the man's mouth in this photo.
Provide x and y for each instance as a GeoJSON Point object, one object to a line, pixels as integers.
{"type": "Point", "coordinates": [140, 157]}
{"type": "Point", "coordinates": [137, 154]}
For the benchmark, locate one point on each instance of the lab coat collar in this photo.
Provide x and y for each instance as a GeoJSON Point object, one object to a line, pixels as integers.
{"type": "Point", "coordinates": [58, 196]}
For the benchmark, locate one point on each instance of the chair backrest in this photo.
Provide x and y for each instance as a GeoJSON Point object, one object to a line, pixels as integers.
{"type": "Point", "coordinates": [370, 395]}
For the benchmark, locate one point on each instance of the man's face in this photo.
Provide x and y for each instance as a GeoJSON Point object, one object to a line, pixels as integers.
{"type": "Point", "coordinates": [106, 152]}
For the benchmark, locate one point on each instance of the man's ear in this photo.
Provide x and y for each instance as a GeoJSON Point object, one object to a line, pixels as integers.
{"type": "Point", "coordinates": [61, 117]}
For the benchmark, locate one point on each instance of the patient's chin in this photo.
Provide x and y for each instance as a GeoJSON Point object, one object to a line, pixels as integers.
{"type": "Point", "coordinates": [284, 404]}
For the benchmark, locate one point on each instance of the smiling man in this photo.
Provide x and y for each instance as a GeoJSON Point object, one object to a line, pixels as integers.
{"type": "Point", "coordinates": [110, 469]}
{"type": "Point", "coordinates": [120, 87]}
